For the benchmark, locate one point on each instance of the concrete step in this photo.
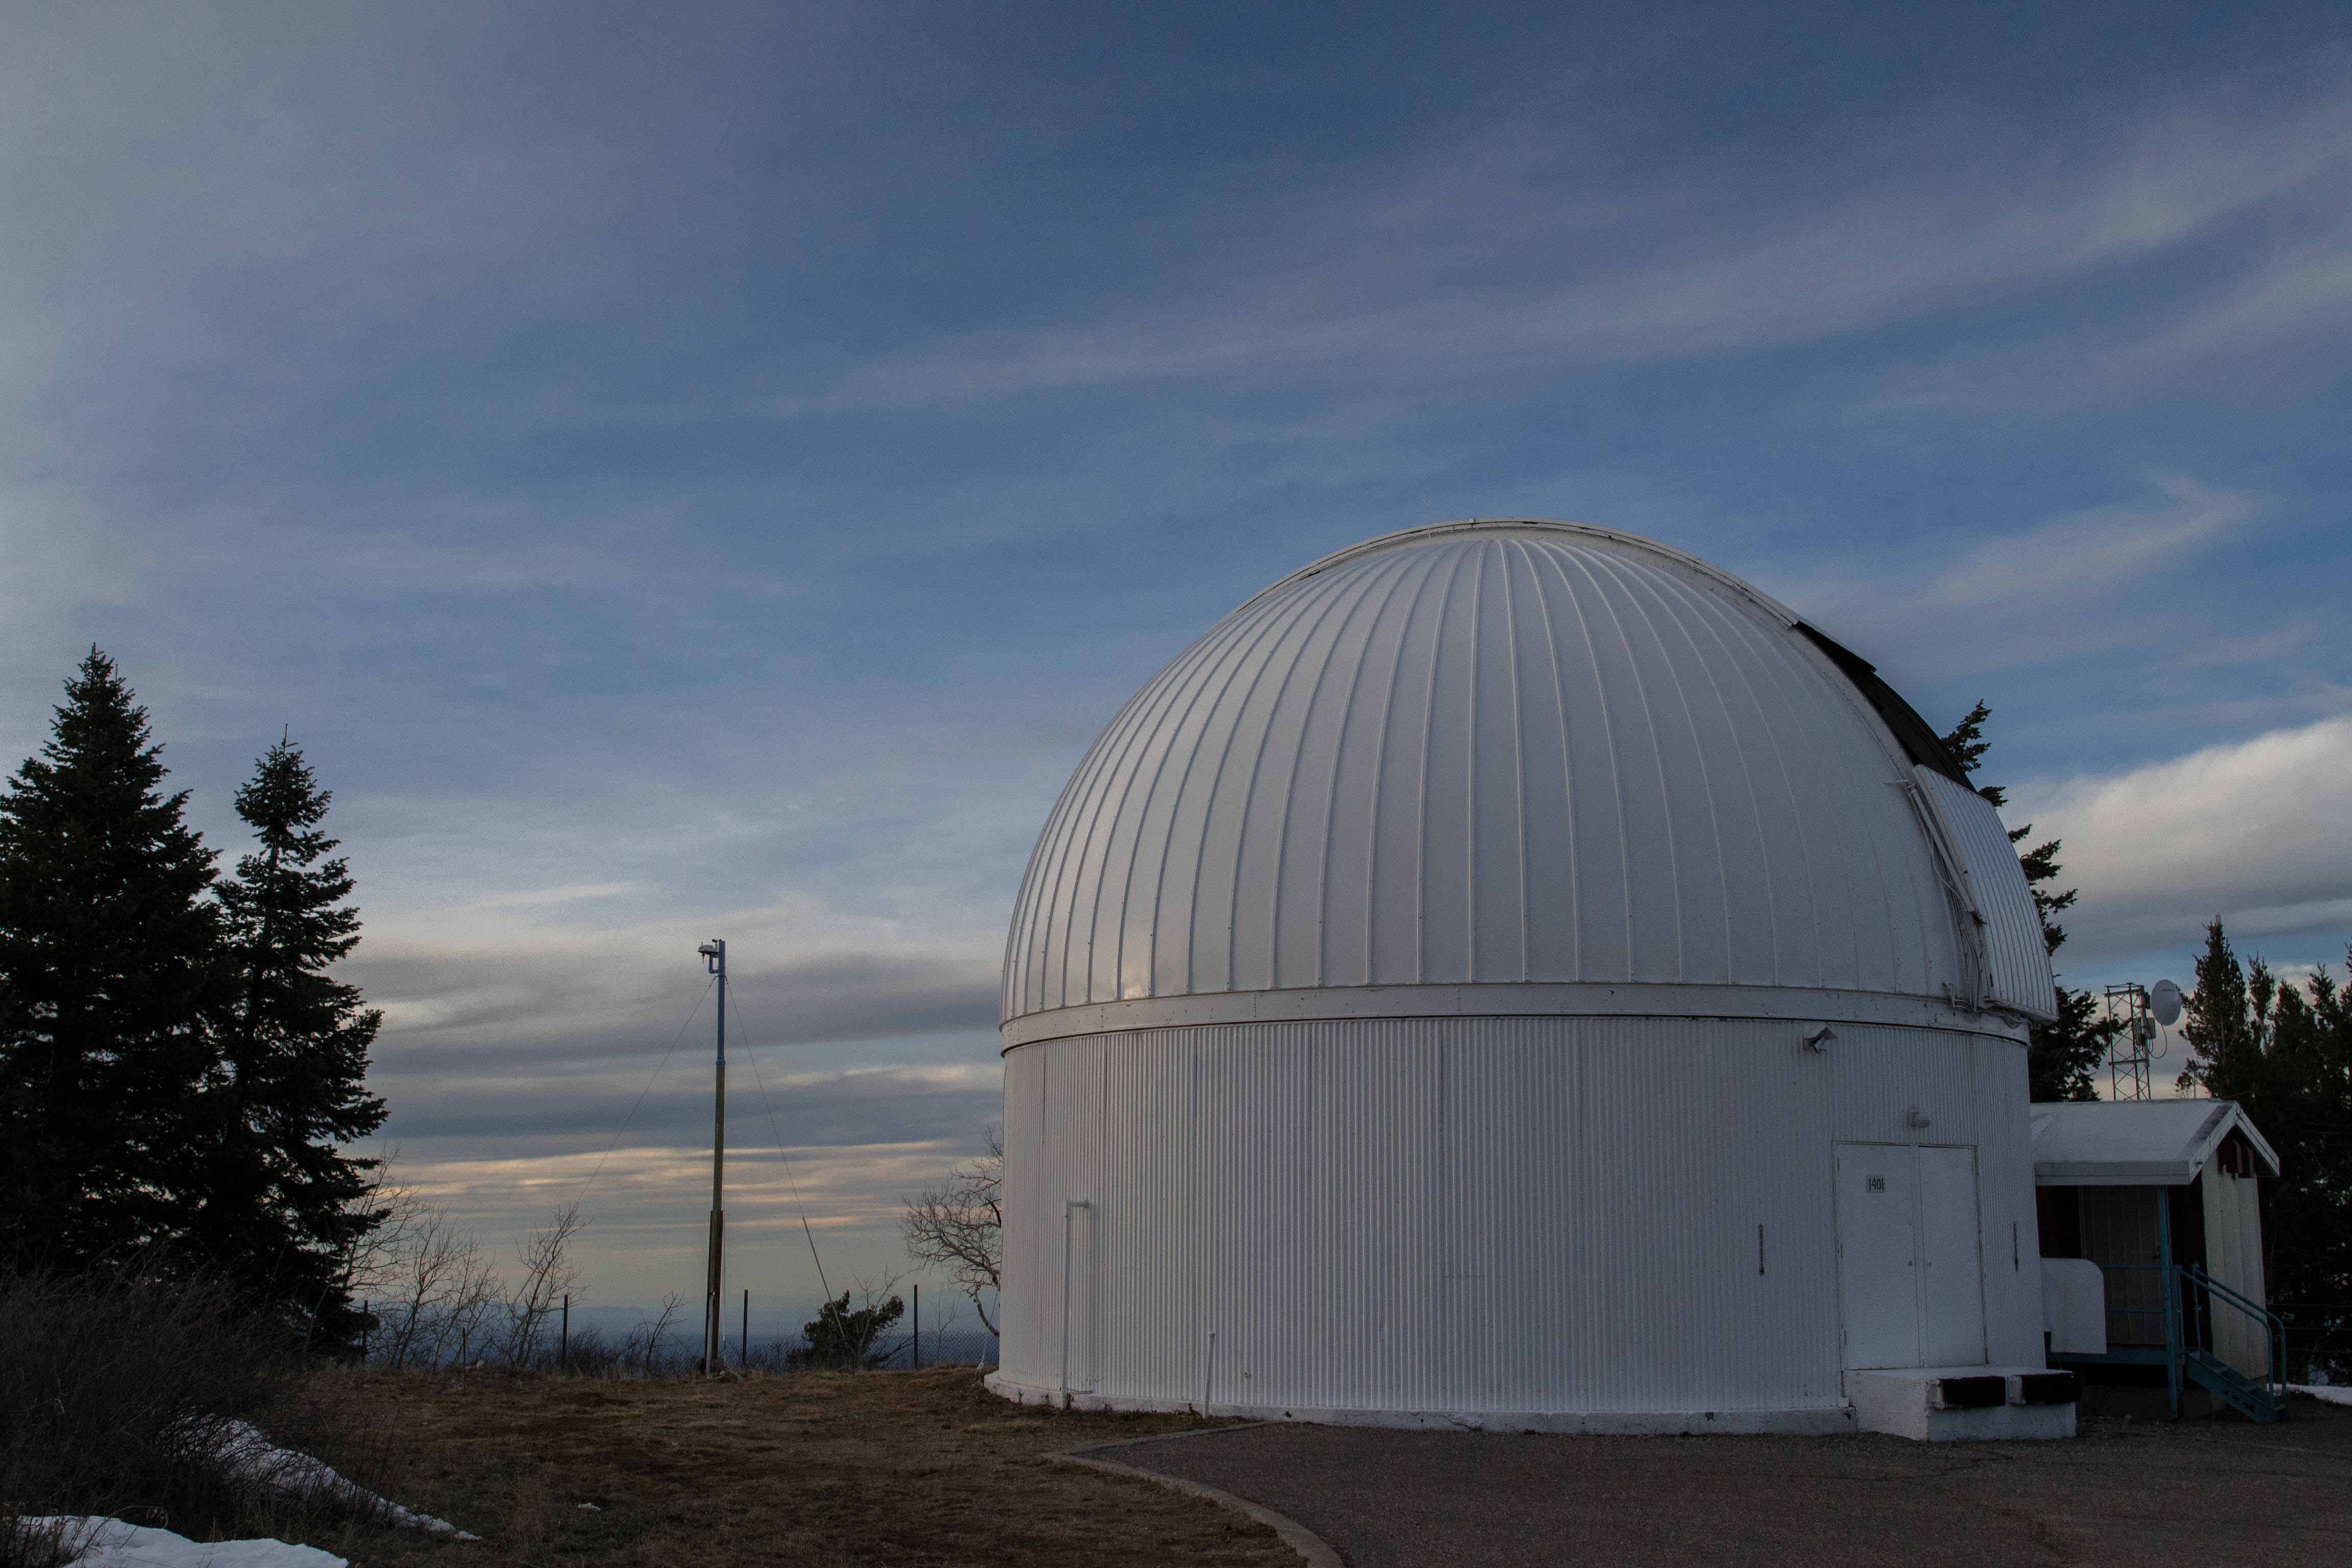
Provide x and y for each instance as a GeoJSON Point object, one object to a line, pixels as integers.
{"type": "Point", "coordinates": [1964, 1404]}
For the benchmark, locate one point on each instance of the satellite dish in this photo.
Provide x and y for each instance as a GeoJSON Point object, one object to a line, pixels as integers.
{"type": "Point", "coordinates": [2164, 1001]}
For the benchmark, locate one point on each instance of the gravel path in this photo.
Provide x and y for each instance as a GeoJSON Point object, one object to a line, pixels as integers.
{"type": "Point", "coordinates": [2124, 1492]}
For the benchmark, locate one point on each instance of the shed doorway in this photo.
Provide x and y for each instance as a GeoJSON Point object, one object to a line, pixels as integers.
{"type": "Point", "coordinates": [1910, 1268]}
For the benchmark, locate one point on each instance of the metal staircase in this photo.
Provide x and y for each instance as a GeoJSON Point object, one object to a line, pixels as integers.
{"type": "Point", "coordinates": [2233, 1388]}
{"type": "Point", "coordinates": [2191, 1298]}
{"type": "Point", "coordinates": [2256, 1400]}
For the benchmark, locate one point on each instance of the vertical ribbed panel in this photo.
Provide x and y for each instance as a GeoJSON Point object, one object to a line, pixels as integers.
{"type": "Point", "coordinates": [2019, 958]}
{"type": "Point", "coordinates": [1027, 1313]}
{"type": "Point", "coordinates": [1500, 754]}
{"type": "Point", "coordinates": [1476, 1215]}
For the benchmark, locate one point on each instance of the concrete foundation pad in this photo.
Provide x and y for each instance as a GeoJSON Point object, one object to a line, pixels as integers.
{"type": "Point", "coordinates": [1962, 1404]}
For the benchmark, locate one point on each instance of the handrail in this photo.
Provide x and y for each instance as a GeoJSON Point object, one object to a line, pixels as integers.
{"type": "Point", "coordinates": [2179, 1337]}
{"type": "Point", "coordinates": [2276, 1327]}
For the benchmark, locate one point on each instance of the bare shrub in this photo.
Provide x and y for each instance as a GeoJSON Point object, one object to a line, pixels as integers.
{"type": "Point", "coordinates": [642, 1350]}
{"type": "Point", "coordinates": [428, 1278]}
{"type": "Point", "coordinates": [588, 1353]}
{"type": "Point", "coordinates": [464, 1328]}
{"type": "Point", "coordinates": [548, 1275]}
{"type": "Point", "coordinates": [103, 1382]}
{"type": "Point", "coordinates": [938, 1333]}
{"type": "Point", "coordinates": [369, 1257]}
{"type": "Point", "coordinates": [439, 1301]}
{"type": "Point", "coordinates": [435, 1297]}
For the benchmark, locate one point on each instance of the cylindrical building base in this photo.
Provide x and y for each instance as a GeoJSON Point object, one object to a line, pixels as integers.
{"type": "Point", "coordinates": [1532, 1223]}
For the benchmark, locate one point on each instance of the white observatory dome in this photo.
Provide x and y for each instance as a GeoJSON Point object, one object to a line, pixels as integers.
{"type": "Point", "coordinates": [1514, 754]}
{"type": "Point", "coordinates": [1511, 973]}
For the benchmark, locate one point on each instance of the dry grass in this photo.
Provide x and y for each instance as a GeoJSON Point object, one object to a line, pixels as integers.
{"type": "Point", "coordinates": [104, 1382]}
{"type": "Point", "coordinates": [904, 1469]}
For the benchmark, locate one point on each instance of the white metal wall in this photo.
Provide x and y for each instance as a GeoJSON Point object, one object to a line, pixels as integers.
{"type": "Point", "coordinates": [1490, 1217]}
{"type": "Point", "coordinates": [2017, 958]}
{"type": "Point", "coordinates": [2233, 1255]}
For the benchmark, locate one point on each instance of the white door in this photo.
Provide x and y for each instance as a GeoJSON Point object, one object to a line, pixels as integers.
{"type": "Point", "coordinates": [1878, 1253]}
{"type": "Point", "coordinates": [1910, 1277]}
{"type": "Point", "coordinates": [1951, 1284]}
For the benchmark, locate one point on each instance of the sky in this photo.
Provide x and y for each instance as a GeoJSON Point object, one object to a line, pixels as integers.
{"type": "Point", "coordinates": [711, 470]}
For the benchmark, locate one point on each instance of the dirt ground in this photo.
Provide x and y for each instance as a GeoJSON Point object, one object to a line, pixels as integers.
{"type": "Point", "coordinates": [904, 1469]}
{"type": "Point", "coordinates": [928, 1468]}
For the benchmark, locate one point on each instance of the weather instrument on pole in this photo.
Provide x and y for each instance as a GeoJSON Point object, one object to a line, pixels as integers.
{"type": "Point", "coordinates": [714, 958]}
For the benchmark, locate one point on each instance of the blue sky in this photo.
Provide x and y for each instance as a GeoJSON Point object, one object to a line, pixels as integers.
{"type": "Point", "coordinates": [711, 470]}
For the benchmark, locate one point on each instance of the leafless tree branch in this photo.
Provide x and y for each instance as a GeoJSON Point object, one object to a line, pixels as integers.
{"type": "Point", "coordinates": [958, 1225]}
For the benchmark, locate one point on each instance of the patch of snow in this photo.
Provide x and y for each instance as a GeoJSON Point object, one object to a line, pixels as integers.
{"type": "Point", "coordinates": [591, 1508]}
{"type": "Point", "coordinates": [97, 1541]}
{"type": "Point", "coordinates": [2335, 1394]}
{"type": "Point", "coordinates": [251, 1455]}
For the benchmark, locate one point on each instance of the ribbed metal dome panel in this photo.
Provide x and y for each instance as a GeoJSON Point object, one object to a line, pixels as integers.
{"type": "Point", "coordinates": [1496, 752]}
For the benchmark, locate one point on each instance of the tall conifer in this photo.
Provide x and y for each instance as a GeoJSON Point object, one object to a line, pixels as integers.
{"type": "Point", "coordinates": [2227, 1022]}
{"type": "Point", "coordinates": [2285, 1053]}
{"type": "Point", "coordinates": [2063, 1057]}
{"type": "Point", "coordinates": [282, 1197]}
{"type": "Point", "coordinates": [108, 953]}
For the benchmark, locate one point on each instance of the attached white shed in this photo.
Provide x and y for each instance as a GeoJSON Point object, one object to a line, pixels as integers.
{"type": "Point", "coordinates": [1513, 974]}
{"type": "Point", "coordinates": [2162, 1195]}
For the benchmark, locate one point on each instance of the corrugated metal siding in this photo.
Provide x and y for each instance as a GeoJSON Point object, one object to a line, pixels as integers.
{"type": "Point", "coordinates": [1496, 754]}
{"type": "Point", "coordinates": [2234, 1257]}
{"type": "Point", "coordinates": [1028, 1315]}
{"type": "Point", "coordinates": [1468, 1215]}
{"type": "Point", "coordinates": [2017, 957]}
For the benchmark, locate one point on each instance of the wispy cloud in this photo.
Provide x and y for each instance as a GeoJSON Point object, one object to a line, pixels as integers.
{"type": "Point", "coordinates": [578, 995]}
{"type": "Point", "coordinates": [1538, 269]}
{"type": "Point", "coordinates": [1991, 599]}
{"type": "Point", "coordinates": [2252, 831]}
{"type": "Point", "coordinates": [2096, 553]}
{"type": "Point", "coordinates": [542, 897]}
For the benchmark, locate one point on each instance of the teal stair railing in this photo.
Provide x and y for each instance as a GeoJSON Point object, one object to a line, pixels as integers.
{"type": "Point", "coordinates": [2172, 1325]}
{"type": "Point", "coordinates": [2257, 1399]}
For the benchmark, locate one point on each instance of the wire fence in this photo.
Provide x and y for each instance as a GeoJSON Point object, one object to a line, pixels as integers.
{"type": "Point", "coordinates": [653, 1350]}
{"type": "Point", "coordinates": [890, 1353]}
{"type": "Point", "coordinates": [2319, 1346]}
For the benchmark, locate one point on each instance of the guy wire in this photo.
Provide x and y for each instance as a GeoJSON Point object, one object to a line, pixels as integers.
{"type": "Point", "coordinates": [640, 1100]}
{"type": "Point", "coordinates": [775, 1130]}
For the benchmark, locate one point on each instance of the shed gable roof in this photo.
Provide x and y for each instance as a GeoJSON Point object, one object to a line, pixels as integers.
{"type": "Point", "coordinates": [2136, 1143]}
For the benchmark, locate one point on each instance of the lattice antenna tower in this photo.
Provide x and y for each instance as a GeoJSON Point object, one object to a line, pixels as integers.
{"type": "Point", "coordinates": [2127, 1057]}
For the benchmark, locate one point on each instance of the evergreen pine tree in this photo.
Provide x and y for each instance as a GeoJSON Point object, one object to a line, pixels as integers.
{"type": "Point", "coordinates": [2062, 1056]}
{"type": "Point", "coordinates": [283, 1201]}
{"type": "Point", "coordinates": [2225, 1021]}
{"type": "Point", "coordinates": [2307, 1114]}
{"type": "Point", "coordinates": [2285, 1055]}
{"type": "Point", "coordinates": [108, 950]}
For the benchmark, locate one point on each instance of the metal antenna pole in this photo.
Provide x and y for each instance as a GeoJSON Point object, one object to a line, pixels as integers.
{"type": "Point", "coordinates": [714, 956]}
{"type": "Point", "coordinates": [2127, 1059]}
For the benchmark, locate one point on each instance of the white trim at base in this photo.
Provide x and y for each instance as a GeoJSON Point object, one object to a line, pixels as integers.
{"type": "Point", "coordinates": [1821, 1421]}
